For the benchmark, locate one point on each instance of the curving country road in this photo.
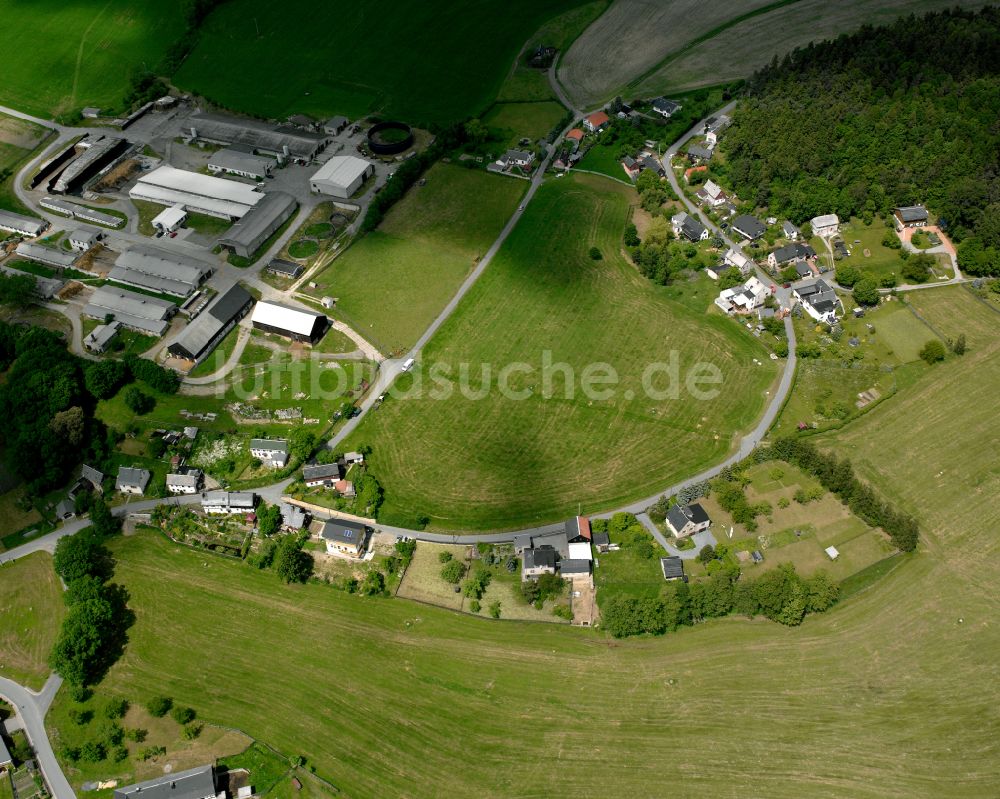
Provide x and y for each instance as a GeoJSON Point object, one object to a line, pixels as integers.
{"type": "Point", "coordinates": [31, 708]}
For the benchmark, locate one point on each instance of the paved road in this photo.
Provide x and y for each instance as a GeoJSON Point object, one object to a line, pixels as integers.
{"type": "Point", "coordinates": [31, 709]}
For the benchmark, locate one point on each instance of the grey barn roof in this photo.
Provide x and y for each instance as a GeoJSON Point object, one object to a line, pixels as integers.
{"type": "Point", "coordinates": [237, 160]}
{"type": "Point", "coordinates": [137, 311]}
{"type": "Point", "coordinates": [571, 566]}
{"type": "Point", "coordinates": [196, 338]}
{"type": "Point", "coordinates": [46, 255]}
{"type": "Point", "coordinates": [195, 783]}
{"type": "Point", "coordinates": [283, 267]}
{"type": "Point", "coordinates": [321, 471]}
{"type": "Point", "coordinates": [253, 229]}
{"type": "Point", "coordinates": [167, 271]}
{"type": "Point", "coordinates": [256, 134]}
{"type": "Point", "coordinates": [672, 567]}
{"type": "Point", "coordinates": [10, 220]}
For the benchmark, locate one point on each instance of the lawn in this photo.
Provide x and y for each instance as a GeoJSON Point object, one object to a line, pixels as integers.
{"type": "Point", "coordinates": [392, 283]}
{"type": "Point", "coordinates": [218, 357]}
{"type": "Point", "coordinates": [31, 608]}
{"type": "Point", "coordinates": [514, 121]}
{"type": "Point", "coordinates": [605, 160]}
{"type": "Point", "coordinates": [257, 57]}
{"type": "Point", "coordinates": [72, 55]}
{"type": "Point", "coordinates": [502, 463]}
{"type": "Point", "coordinates": [18, 142]}
{"type": "Point", "coordinates": [883, 261]}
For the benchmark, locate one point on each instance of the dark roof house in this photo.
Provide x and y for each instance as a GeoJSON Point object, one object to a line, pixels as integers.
{"type": "Point", "coordinates": [195, 783]}
{"type": "Point", "coordinates": [749, 227]}
{"type": "Point", "coordinates": [578, 530]}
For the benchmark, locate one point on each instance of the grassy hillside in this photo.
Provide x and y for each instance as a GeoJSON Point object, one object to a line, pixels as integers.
{"type": "Point", "coordinates": [31, 608]}
{"type": "Point", "coordinates": [496, 462]}
{"type": "Point", "coordinates": [393, 282]}
{"type": "Point", "coordinates": [437, 61]}
{"type": "Point", "coordinates": [61, 56]}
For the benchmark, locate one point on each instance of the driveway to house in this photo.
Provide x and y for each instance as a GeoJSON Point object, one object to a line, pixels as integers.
{"type": "Point", "coordinates": [31, 709]}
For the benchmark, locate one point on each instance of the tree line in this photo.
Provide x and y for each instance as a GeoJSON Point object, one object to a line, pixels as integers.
{"type": "Point", "coordinates": [48, 400]}
{"type": "Point", "coordinates": [895, 115]}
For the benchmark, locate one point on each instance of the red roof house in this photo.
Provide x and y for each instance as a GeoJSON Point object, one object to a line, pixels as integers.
{"type": "Point", "coordinates": [596, 121]}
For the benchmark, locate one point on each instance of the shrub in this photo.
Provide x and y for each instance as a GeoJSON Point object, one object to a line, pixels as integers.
{"type": "Point", "coordinates": [191, 731]}
{"type": "Point", "coordinates": [137, 734]}
{"type": "Point", "coordinates": [116, 708]}
{"type": "Point", "coordinates": [495, 610]}
{"type": "Point", "coordinates": [92, 752]}
{"type": "Point", "coordinates": [182, 715]}
{"type": "Point", "coordinates": [563, 612]}
{"type": "Point", "coordinates": [159, 706]}
{"type": "Point", "coordinates": [112, 733]}
{"type": "Point", "coordinates": [444, 557]}
{"type": "Point", "coordinates": [475, 586]}
{"type": "Point", "coordinates": [474, 606]}
{"type": "Point", "coordinates": [373, 584]}
{"type": "Point", "coordinates": [595, 254]}
{"type": "Point", "coordinates": [119, 754]}
{"type": "Point", "coordinates": [137, 401]}
{"type": "Point", "coordinates": [933, 351]}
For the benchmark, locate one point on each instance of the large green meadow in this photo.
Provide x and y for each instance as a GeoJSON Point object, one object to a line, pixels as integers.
{"type": "Point", "coordinates": [497, 462]}
{"type": "Point", "coordinates": [437, 61]}
{"type": "Point", "coordinates": [392, 283]}
{"type": "Point", "coordinates": [63, 56]}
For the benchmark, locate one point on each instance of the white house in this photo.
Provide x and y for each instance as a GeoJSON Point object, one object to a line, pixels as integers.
{"type": "Point", "coordinates": [711, 194]}
{"type": "Point", "coordinates": [187, 483]}
{"type": "Point", "coordinates": [536, 562]}
{"type": "Point", "coordinates": [734, 257]}
{"type": "Point", "coordinates": [690, 228]}
{"type": "Point", "coordinates": [596, 122]}
{"type": "Point", "coordinates": [228, 502]}
{"type": "Point", "coordinates": [272, 451]}
{"type": "Point", "coordinates": [685, 520]}
{"type": "Point", "coordinates": [518, 158]}
{"type": "Point", "coordinates": [825, 225]}
{"type": "Point", "coordinates": [789, 231]}
{"type": "Point", "coordinates": [743, 299]}
{"type": "Point", "coordinates": [321, 474]}
{"type": "Point", "coordinates": [131, 480]}
{"type": "Point", "coordinates": [83, 238]}
{"type": "Point", "coordinates": [818, 300]}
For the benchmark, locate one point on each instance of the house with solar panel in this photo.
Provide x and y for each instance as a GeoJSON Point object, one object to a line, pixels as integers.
{"type": "Point", "coordinates": [344, 538]}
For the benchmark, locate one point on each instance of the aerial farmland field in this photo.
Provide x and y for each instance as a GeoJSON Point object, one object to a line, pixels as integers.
{"type": "Point", "coordinates": [498, 463]}
{"type": "Point", "coordinates": [69, 55]}
{"type": "Point", "coordinates": [439, 61]}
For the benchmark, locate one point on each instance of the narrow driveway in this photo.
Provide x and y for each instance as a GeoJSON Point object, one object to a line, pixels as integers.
{"type": "Point", "coordinates": [31, 709]}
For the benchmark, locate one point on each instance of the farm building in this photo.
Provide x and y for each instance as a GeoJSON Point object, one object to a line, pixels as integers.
{"type": "Point", "coordinates": [167, 185]}
{"type": "Point", "coordinates": [85, 214]}
{"type": "Point", "coordinates": [98, 339]}
{"type": "Point", "coordinates": [228, 502]}
{"type": "Point", "coordinates": [100, 155]}
{"type": "Point", "coordinates": [344, 537]}
{"type": "Point", "coordinates": [578, 531]}
{"type": "Point", "coordinates": [685, 520]}
{"type": "Point", "coordinates": [256, 136]}
{"type": "Point", "coordinates": [46, 255]}
{"type": "Point", "coordinates": [910, 216]}
{"type": "Point", "coordinates": [195, 783]}
{"type": "Point", "coordinates": [83, 238]}
{"type": "Point", "coordinates": [293, 323]}
{"type": "Point", "coordinates": [203, 335]}
{"type": "Point", "coordinates": [136, 311]}
{"type": "Point", "coordinates": [131, 480]}
{"type": "Point", "coordinates": [22, 225]}
{"type": "Point", "coordinates": [277, 266]}
{"type": "Point", "coordinates": [57, 205]}
{"type": "Point", "coordinates": [169, 219]}
{"type": "Point", "coordinates": [341, 176]}
{"type": "Point", "coordinates": [335, 125]}
{"type": "Point", "coordinates": [237, 161]}
{"type": "Point", "coordinates": [248, 234]}
{"type": "Point", "coordinates": [749, 227]}
{"type": "Point", "coordinates": [272, 451]}
{"type": "Point", "coordinates": [825, 225]}
{"type": "Point", "coordinates": [159, 270]}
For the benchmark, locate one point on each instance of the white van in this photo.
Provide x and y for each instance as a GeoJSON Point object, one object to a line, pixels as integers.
{"type": "Point", "coordinates": [408, 365]}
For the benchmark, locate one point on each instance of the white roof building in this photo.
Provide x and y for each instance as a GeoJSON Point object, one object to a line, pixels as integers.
{"type": "Point", "coordinates": [83, 238]}
{"type": "Point", "coordinates": [825, 225]}
{"type": "Point", "coordinates": [341, 176]}
{"type": "Point", "coordinates": [167, 185]}
{"type": "Point", "coordinates": [832, 553]}
{"type": "Point", "coordinates": [743, 299]}
{"type": "Point", "coordinates": [580, 551]}
{"type": "Point", "coordinates": [294, 323]}
{"type": "Point", "coordinates": [169, 219]}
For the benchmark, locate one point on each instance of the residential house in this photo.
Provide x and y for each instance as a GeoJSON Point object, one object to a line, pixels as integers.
{"type": "Point", "coordinates": [195, 783]}
{"type": "Point", "coordinates": [578, 531]}
{"type": "Point", "coordinates": [131, 480]}
{"type": "Point", "coordinates": [576, 136]}
{"type": "Point", "coordinates": [685, 520]}
{"type": "Point", "coordinates": [665, 108]}
{"type": "Point", "coordinates": [789, 231]}
{"type": "Point", "coordinates": [672, 568]}
{"type": "Point", "coordinates": [690, 228]}
{"type": "Point", "coordinates": [825, 225]}
{"type": "Point", "coordinates": [293, 517]}
{"type": "Point", "coordinates": [652, 165]}
{"type": "Point", "coordinates": [910, 216]}
{"type": "Point", "coordinates": [790, 252]}
{"type": "Point", "coordinates": [322, 474]}
{"type": "Point", "coordinates": [272, 452]}
{"type": "Point", "coordinates": [711, 194]}
{"type": "Point", "coordinates": [743, 299]}
{"type": "Point", "coordinates": [696, 153]}
{"type": "Point", "coordinates": [344, 538]}
{"type": "Point", "coordinates": [749, 227]}
{"type": "Point", "coordinates": [818, 300]}
{"type": "Point", "coordinates": [714, 128]}
{"type": "Point", "coordinates": [536, 562]}
{"type": "Point", "coordinates": [65, 509]}
{"type": "Point", "coordinates": [734, 257]}
{"type": "Point", "coordinates": [632, 167]}
{"type": "Point", "coordinates": [576, 569]}
{"type": "Point", "coordinates": [93, 478]}
{"type": "Point", "coordinates": [228, 502]}
{"type": "Point", "coordinates": [519, 158]}
{"type": "Point", "coordinates": [186, 483]}
{"type": "Point", "coordinates": [596, 122]}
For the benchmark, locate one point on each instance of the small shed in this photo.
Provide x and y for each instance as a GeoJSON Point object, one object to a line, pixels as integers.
{"type": "Point", "coordinates": [832, 553]}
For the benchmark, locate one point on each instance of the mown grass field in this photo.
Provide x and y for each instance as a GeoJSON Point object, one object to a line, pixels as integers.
{"type": "Point", "coordinates": [18, 141]}
{"type": "Point", "coordinates": [499, 463]}
{"type": "Point", "coordinates": [31, 608]}
{"type": "Point", "coordinates": [358, 58]}
{"type": "Point", "coordinates": [737, 50]}
{"type": "Point", "coordinates": [391, 284]}
{"type": "Point", "coordinates": [69, 55]}
{"type": "Point", "coordinates": [514, 121]}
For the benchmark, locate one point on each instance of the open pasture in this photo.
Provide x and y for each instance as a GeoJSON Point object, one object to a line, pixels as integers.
{"type": "Point", "coordinates": [482, 460]}
{"type": "Point", "coordinates": [31, 608]}
{"type": "Point", "coordinates": [362, 57]}
{"type": "Point", "coordinates": [393, 282]}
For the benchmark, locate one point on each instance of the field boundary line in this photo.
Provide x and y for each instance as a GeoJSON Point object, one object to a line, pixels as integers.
{"type": "Point", "coordinates": [79, 51]}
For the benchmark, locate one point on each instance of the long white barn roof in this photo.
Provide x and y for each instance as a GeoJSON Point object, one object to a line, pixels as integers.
{"type": "Point", "coordinates": [281, 316]}
{"type": "Point", "coordinates": [168, 185]}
